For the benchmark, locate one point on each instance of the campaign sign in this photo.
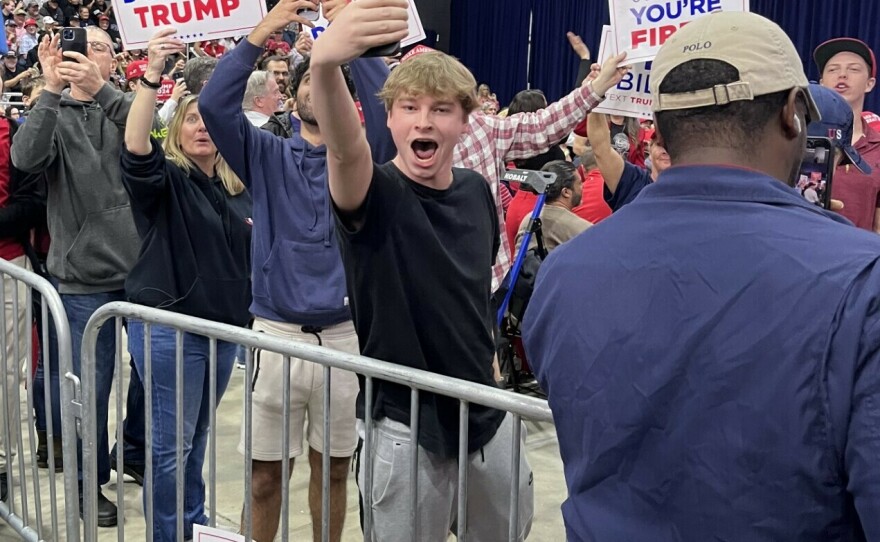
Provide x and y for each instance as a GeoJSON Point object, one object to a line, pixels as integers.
{"type": "Point", "coordinates": [416, 30]}
{"type": "Point", "coordinates": [195, 20]}
{"type": "Point", "coordinates": [640, 27]}
{"type": "Point", "coordinates": [209, 534]}
{"type": "Point", "coordinates": [631, 97]}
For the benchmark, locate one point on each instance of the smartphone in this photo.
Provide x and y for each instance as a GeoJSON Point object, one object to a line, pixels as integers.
{"type": "Point", "coordinates": [74, 39]}
{"type": "Point", "coordinates": [817, 171]}
{"type": "Point", "coordinates": [383, 50]}
{"type": "Point", "coordinates": [308, 14]}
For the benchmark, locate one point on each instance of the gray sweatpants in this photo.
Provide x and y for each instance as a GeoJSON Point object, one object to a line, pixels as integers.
{"type": "Point", "coordinates": [488, 484]}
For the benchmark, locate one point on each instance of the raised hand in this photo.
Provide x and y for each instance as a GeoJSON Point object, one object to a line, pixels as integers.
{"type": "Point", "coordinates": [359, 27]}
{"type": "Point", "coordinates": [284, 13]}
{"type": "Point", "coordinates": [578, 45]}
{"type": "Point", "coordinates": [304, 43]}
{"type": "Point", "coordinates": [50, 56]}
{"type": "Point", "coordinates": [610, 74]}
{"type": "Point", "coordinates": [160, 47]}
{"type": "Point", "coordinates": [179, 91]}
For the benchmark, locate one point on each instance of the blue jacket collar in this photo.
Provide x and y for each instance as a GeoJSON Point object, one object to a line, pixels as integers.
{"type": "Point", "coordinates": [729, 183]}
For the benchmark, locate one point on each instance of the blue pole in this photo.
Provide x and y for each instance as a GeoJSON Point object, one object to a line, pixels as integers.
{"type": "Point", "coordinates": [520, 257]}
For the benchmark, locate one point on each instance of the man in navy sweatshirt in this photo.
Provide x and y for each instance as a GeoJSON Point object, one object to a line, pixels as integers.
{"type": "Point", "coordinates": [299, 289]}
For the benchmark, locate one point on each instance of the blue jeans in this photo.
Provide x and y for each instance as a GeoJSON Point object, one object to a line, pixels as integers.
{"type": "Point", "coordinates": [133, 431]}
{"type": "Point", "coordinates": [133, 427]}
{"type": "Point", "coordinates": [79, 309]}
{"type": "Point", "coordinates": [196, 412]}
{"type": "Point", "coordinates": [39, 375]}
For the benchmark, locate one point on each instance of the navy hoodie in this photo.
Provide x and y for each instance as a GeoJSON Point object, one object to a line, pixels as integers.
{"type": "Point", "coordinates": [297, 270]}
{"type": "Point", "coordinates": [194, 257]}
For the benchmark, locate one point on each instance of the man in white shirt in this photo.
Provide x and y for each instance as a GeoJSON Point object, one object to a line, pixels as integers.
{"type": "Point", "coordinates": [262, 98]}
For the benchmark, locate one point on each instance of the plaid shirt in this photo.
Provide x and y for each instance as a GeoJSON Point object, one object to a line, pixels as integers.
{"type": "Point", "coordinates": [490, 142]}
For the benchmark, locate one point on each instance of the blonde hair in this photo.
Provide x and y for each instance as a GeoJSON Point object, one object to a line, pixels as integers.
{"type": "Point", "coordinates": [433, 74]}
{"type": "Point", "coordinates": [175, 154]}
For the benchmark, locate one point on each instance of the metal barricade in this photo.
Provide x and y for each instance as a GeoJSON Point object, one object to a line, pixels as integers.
{"type": "Point", "coordinates": [468, 393]}
{"type": "Point", "coordinates": [24, 511]}
{"type": "Point", "coordinates": [11, 98]}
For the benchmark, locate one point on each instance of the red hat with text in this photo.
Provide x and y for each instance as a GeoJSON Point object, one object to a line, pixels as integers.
{"type": "Point", "coordinates": [135, 69]}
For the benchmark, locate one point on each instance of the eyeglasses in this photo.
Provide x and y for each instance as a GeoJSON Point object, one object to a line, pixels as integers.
{"type": "Point", "coordinates": [99, 46]}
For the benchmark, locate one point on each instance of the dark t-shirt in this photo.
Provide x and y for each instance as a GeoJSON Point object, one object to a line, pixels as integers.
{"type": "Point", "coordinates": [8, 74]}
{"type": "Point", "coordinates": [69, 12]}
{"type": "Point", "coordinates": [537, 162]}
{"type": "Point", "coordinates": [419, 276]}
{"type": "Point", "coordinates": [632, 181]}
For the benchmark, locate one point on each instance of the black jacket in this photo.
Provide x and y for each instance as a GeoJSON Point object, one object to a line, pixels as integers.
{"type": "Point", "coordinates": [279, 124]}
{"type": "Point", "coordinates": [196, 240]}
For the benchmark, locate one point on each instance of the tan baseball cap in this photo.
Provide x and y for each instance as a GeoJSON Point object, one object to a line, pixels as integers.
{"type": "Point", "coordinates": [756, 46]}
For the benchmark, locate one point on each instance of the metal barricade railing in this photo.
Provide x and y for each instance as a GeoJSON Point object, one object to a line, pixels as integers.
{"type": "Point", "coordinates": [30, 526]}
{"type": "Point", "coordinates": [520, 407]}
{"type": "Point", "coordinates": [11, 98]}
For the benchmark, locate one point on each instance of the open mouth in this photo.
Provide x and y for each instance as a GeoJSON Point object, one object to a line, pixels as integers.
{"type": "Point", "coordinates": [424, 149]}
{"type": "Point", "coordinates": [841, 87]}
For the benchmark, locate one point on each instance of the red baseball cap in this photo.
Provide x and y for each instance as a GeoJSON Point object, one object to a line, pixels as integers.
{"type": "Point", "coordinates": [30, 22]}
{"type": "Point", "coordinates": [825, 51]}
{"type": "Point", "coordinates": [135, 69]}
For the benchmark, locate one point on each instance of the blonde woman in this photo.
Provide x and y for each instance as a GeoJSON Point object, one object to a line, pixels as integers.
{"type": "Point", "coordinates": [193, 216]}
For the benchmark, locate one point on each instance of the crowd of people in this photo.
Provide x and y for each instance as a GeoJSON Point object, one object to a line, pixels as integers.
{"type": "Point", "coordinates": [294, 186]}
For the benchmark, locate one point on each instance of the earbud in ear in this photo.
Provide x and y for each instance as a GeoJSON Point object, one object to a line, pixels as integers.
{"type": "Point", "coordinates": [797, 124]}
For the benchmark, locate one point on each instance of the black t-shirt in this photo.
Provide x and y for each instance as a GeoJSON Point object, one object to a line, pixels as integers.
{"type": "Point", "coordinates": [57, 13]}
{"type": "Point", "coordinates": [620, 140]}
{"type": "Point", "coordinates": [8, 74]}
{"type": "Point", "coordinates": [69, 12]}
{"type": "Point", "coordinates": [537, 162]}
{"type": "Point", "coordinates": [419, 276]}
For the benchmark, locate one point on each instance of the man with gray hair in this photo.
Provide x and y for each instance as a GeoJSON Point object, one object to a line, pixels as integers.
{"type": "Point", "coordinates": [262, 98]}
{"type": "Point", "coordinates": [75, 136]}
{"type": "Point", "coordinates": [197, 72]}
{"type": "Point", "coordinates": [717, 376]}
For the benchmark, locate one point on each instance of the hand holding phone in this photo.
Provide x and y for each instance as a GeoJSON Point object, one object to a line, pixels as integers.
{"type": "Point", "coordinates": [389, 49]}
{"type": "Point", "coordinates": [817, 171]}
{"type": "Point", "coordinates": [75, 40]}
{"type": "Point", "coordinates": [359, 29]}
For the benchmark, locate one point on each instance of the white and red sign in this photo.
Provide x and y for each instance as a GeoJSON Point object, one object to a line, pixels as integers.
{"type": "Point", "coordinates": [195, 20]}
{"type": "Point", "coordinates": [416, 30]}
{"type": "Point", "coordinates": [632, 96]}
{"type": "Point", "coordinates": [640, 27]}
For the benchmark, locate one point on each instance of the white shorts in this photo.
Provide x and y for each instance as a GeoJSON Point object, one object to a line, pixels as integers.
{"type": "Point", "coordinates": [306, 395]}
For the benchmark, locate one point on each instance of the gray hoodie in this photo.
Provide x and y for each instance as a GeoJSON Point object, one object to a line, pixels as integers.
{"type": "Point", "coordinates": [77, 144]}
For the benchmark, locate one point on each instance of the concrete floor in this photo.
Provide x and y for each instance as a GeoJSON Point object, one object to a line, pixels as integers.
{"type": "Point", "coordinates": [542, 451]}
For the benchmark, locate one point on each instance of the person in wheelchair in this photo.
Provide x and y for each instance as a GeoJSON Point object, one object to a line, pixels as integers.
{"type": "Point", "coordinates": [558, 222]}
{"type": "Point", "coordinates": [558, 225]}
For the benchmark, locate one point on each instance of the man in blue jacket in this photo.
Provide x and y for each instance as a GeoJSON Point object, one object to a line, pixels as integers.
{"type": "Point", "coordinates": [299, 289]}
{"type": "Point", "coordinates": [710, 351]}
